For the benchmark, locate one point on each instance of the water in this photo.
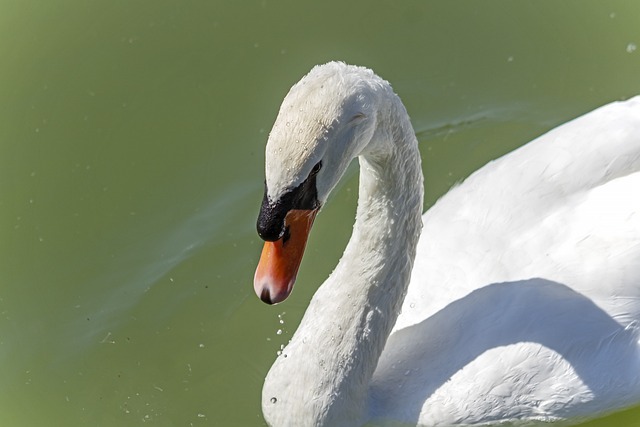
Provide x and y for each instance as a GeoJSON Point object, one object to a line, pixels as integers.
{"type": "Point", "coordinates": [132, 137]}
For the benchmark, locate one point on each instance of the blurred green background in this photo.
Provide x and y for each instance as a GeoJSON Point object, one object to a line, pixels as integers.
{"type": "Point", "coordinates": [131, 140]}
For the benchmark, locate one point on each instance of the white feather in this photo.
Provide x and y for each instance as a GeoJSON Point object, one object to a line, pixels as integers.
{"type": "Point", "coordinates": [524, 298]}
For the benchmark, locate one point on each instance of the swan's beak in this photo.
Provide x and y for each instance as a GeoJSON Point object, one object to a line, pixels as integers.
{"type": "Point", "coordinates": [280, 260]}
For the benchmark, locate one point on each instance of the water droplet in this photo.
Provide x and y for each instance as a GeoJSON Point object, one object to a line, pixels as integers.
{"type": "Point", "coordinates": [279, 332]}
{"type": "Point", "coordinates": [631, 47]}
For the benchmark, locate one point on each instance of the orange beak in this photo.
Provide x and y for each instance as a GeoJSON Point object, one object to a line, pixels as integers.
{"type": "Point", "coordinates": [280, 260]}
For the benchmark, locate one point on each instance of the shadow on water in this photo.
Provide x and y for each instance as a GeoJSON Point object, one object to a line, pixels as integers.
{"type": "Point", "coordinates": [600, 350]}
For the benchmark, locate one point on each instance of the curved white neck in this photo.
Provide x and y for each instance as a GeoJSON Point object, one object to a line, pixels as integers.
{"type": "Point", "coordinates": [323, 375]}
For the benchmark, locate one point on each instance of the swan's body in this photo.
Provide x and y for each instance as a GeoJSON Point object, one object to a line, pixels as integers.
{"type": "Point", "coordinates": [524, 299]}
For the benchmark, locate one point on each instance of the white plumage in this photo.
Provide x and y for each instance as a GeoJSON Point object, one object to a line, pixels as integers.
{"type": "Point", "coordinates": [524, 298]}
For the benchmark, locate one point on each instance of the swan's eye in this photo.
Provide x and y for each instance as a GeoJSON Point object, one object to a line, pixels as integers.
{"type": "Point", "coordinates": [357, 118]}
{"type": "Point", "coordinates": [316, 169]}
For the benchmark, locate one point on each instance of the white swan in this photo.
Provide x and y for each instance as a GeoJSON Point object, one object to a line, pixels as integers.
{"type": "Point", "coordinates": [524, 300]}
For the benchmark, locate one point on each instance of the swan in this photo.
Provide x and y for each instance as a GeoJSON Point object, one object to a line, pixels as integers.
{"type": "Point", "coordinates": [515, 298]}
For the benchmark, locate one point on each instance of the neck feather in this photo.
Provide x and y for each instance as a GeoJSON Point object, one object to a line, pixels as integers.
{"type": "Point", "coordinates": [322, 376]}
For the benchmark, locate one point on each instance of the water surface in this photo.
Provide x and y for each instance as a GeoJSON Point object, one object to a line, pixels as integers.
{"type": "Point", "coordinates": [131, 141]}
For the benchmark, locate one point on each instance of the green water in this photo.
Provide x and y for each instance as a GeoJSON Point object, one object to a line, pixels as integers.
{"type": "Point", "coordinates": [131, 149]}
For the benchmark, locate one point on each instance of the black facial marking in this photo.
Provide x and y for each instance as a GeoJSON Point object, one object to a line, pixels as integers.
{"type": "Point", "coordinates": [286, 235]}
{"type": "Point", "coordinates": [316, 169]}
{"type": "Point", "coordinates": [271, 218]}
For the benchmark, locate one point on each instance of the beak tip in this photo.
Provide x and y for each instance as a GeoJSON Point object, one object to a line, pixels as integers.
{"type": "Point", "coordinates": [265, 296]}
{"type": "Point", "coordinates": [267, 293]}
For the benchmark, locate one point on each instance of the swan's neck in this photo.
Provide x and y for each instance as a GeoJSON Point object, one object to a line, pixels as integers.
{"type": "Point", "coordinates": [322, 376]}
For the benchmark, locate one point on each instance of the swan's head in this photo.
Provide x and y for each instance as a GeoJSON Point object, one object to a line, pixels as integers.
{"type": "Point", "coordinates": [326, 120]}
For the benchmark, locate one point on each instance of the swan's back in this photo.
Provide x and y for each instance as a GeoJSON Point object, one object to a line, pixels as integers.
{"type": "Point", "coordinates": [525, 294]}
{"type": "Point", "coordinates": [507, 219]}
